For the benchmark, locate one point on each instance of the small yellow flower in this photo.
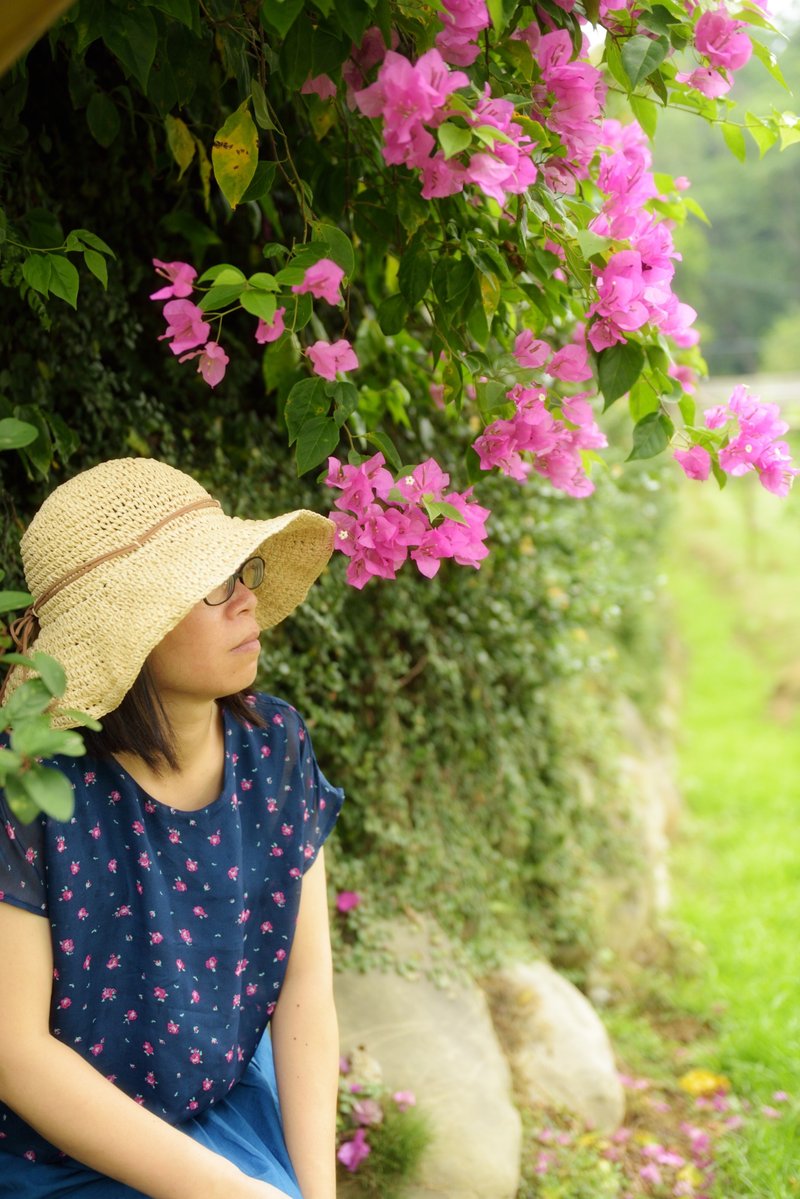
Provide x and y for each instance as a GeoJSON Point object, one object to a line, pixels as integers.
{"type": "Point", "coordinates": [703, 1082]}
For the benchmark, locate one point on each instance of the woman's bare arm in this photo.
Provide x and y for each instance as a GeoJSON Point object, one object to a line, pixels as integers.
{"type": "Point", "coordinates": [305, 1042]}
{"type": "Point", "coordinates": [72, 1105]}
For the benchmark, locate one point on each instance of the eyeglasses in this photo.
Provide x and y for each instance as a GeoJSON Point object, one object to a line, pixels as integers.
{"type": "Point", "coordinates": [252, 575]}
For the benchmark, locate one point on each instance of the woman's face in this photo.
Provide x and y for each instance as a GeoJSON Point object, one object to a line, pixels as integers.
{"type": "Point", "coordinates": [211, 653]}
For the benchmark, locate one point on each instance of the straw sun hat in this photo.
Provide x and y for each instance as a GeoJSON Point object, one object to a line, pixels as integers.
{"type": "Point", "coordinates": [118, 555]}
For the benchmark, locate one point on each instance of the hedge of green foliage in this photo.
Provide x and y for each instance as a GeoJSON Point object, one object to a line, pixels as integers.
{"type": "Point", "coordinates": [455, 712]}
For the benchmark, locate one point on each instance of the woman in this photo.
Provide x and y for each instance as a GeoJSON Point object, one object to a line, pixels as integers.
{"type": "Point", "coordinates": [185, 900]}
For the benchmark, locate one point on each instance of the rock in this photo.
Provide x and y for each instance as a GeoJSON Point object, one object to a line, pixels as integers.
{"type": "Point", "coordinates": [440, 1043]}
{"type": "Point", "coordinates": [556, 1043]}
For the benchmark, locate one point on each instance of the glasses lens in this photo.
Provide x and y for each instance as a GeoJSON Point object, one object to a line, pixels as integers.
{"type": "Point", "coordinates": [252, 573]}
{"type": "Point", "coordinates": [222, 592]}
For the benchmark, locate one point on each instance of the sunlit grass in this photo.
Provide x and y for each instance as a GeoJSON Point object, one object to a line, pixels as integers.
{"type": "Point", "coordinates": [735, 580]}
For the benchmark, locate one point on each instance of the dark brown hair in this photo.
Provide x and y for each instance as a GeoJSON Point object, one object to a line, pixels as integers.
{"type": "Point", "coordinates": [141, 726]}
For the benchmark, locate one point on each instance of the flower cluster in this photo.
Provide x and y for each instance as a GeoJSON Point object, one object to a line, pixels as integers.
{"type": "Point", "coordinates": [380, 522]}
{"type": "Point", "coordinates": [464, 21]}
{"type": "Point", "coordinates": [412, 99]}
{"type": "Point", "coordinates": [554, 443]}
{"type": "Point", "coordinates": [667, 1147]}
{"type": "Point", "coordinates": [751, 431]}
{"type": "Point", "coordinates": [187, 327]}
{"type": "Point", "coordinates": [725, 45]}
{"type": "Point", "coordinates": [569, 99]}
{"type": "Point", "coordinates": [634, 287]}
{"type": "Point", "coordinates": [365, 1105]}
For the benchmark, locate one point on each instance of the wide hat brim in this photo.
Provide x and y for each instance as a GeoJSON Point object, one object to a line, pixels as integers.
{"type": "Point", "coordinates": [102, 628]}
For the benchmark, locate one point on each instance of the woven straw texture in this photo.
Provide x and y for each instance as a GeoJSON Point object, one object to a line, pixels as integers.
{"type": "Point", "coordinates": [102, 626]}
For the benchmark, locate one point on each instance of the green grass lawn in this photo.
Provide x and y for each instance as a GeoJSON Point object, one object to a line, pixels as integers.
{"type": "Point", "coordinates": [734, 583]}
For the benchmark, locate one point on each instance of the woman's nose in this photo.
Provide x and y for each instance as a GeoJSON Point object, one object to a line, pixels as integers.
{"type": "Point", "coordinates": [243, 599]}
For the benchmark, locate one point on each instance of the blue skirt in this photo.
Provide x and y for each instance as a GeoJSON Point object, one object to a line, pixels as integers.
{"type": "Point", "coordinates": [245, 1128]}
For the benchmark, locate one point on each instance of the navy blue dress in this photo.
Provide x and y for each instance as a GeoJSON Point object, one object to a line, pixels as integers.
{"type": "Point", "coordinates": [171, 935]}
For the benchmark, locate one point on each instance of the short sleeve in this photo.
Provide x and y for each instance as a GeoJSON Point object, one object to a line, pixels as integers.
{"type": "Point", "coordinates": [22, 881]}
{"type": "Point", "coordinates": [323, 801]}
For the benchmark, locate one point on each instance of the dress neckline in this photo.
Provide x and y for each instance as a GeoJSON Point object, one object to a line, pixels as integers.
{"type": "Point", "coordinates": [225, 792]}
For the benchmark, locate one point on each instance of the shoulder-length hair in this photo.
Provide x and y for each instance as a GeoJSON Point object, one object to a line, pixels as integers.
{"type": "Point", "coordinates": [140, 725]}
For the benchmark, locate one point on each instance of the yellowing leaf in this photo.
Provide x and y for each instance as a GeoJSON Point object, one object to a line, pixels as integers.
{"type": "Point", "coordinates": [703, 1082]}
{"type": "Point", "coordinates": [180, 142]}
{"type": "Point", "coordinates": [490, 295]}
{"type": "Point", "coordinates": [235, 154]}
{"type": "Point", "coordinates": [205, 173]}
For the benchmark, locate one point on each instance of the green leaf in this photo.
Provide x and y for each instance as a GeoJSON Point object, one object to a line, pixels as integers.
{"type": "Point", "coordinates": [181, 10]}
{"type": "Point", "coordinates": [263, 281]}
{"type": "Point", "coordinates": [280, 14]}
{"type": "Point", "coordinates": [651, 436]}
{"type": "Point", "coordinates": [180, 141]}
{"type": "Point", "coordinates": [386, 446]}
{"type": "Point", "coordinates": [354, 16]}
{"type": "Point", "coordinates": [316, 441]}
{"type": "Point", "coordinates": [259, 303]}
{"type": "Point", "coordinates": [346, 397]}
{"type": "Point", "coordinates": [261, 183]}
{"type": "Point", "coordinates": [50, 790]}
{"type": "Point", "coordinates": [97, 265]}
{"type": "Point", "coordinates": [591, 243]}
{"type": "Point", "coordinates": [83, 718]}
{"type": "Point", "coordinates": [766, 56]}
{"type": "Point", "coordinates": [10, 601]}
{"type": "Point", "coordinates": [50, 672]}
{"type": "Point", "coordinates": [260, 107]}
{"type": "Point", "coordinates": [306, 401]}
{"type": "Point", "coordinates": [39, 453]}
{"type": "Point", "coordinates": [30, 699]}
{"type": "Point", "coordinates": [36, 738]}
{"type": "Point", "coordinates": [453, 138]}
{"type": "Point", "coordinates": [132, 35]}
{"type": "Point", "coordinates": [36, 271]}
{"type": "Point", "coordinates": [646, 113]}
{"type": "Point", "coordinates": [235, 154]}
{"type": "Point", "coordinates": [87, 238]}
{"type": "Point", "coordinates": [19, 801]}
{"type": "Point", "coordinates": [392, 315]}
{"type": "Point", "coordinates": [221, 296]}
{"type": "Point", "coordinates": [764, 137]}
{"type": "Point", "coordinates": [64, 279]}
{"type": "Point", "coordinates": [414, 276]}
{"type": "Point", "coordinates": [338, 246]}
{"type": "Point", "coordinates": [437, 508]}
{"type": "Point", "coordinates": [295, 57]}
{"type": "Point", "coordinates": [14, 433]}
{"type": "Point", "coordinates": [734, 140]}
{"type": "Point", "coordinates": [102, 118]}
{"type": "Point", "coordinates": [613, 61]}
{"type": "Point", "coordinates": [618, 368]}
{"type": "Point", "coordinates": [641, 56]}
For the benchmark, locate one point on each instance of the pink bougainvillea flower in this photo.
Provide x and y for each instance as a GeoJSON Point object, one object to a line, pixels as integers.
{"type": "Point", "coordinates": [347, 900]}
{"type": "Point", "coordinates": [181, 276]}
{"type": "Point", "coordinates": [404, 1099]}
{"type": "Point", "coordinates": [321, 85]}
{"type": "Point", "coordinates": [695, 463]}
{"type": "Point", "coordinates": [211, 363]}
{"type": "Point", "coordinates": [185, 325]}
{"type": "Point", "coordinates": [353, 1152]}
{"type": "Point", "coordinates": [463, 21]}
{"type": "Point", "coordinates": [707, 81]}
{"type": "Point", "coordinates": [529, 351]}
{"type": "Point", "coordinates": [329, 357]}
{"type": "Point", "coordinates": [571, 363]}
{"type": "Point", "coordinates": [723, 40]}
{"type": "Point", "coordinates": [266, 332]}
{"type": "Point", "coordinates": [322, 280]}
{"type": "Point", "coordinates": [367, 1111]}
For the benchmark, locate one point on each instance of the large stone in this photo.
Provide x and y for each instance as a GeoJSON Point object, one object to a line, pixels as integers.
{"type": "Point", "coordinates": [559, 1050]}
{"type": "Point", "coordinates": [439, 1042]}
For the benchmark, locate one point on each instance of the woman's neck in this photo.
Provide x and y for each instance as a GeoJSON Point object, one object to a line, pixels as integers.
{"type": "Point", "coordinates": [199, 740]}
